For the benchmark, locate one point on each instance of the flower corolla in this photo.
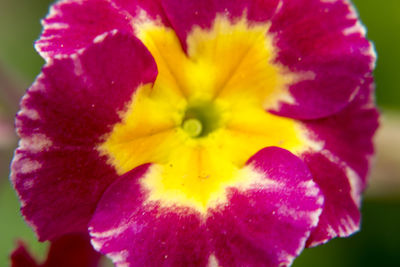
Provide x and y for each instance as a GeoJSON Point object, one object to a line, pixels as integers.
{"type": "Point", "coordinates": [198, 132]}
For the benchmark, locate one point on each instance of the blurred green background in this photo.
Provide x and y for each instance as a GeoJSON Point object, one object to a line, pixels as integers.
{"type": "Point", "coordinates": [378, 244]}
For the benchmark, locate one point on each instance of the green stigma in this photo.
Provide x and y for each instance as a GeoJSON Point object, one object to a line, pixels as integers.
{"type": "Point", "coordinates": [193, 127]}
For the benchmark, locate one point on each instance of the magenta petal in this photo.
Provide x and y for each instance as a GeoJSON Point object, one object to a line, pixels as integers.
{"type": "Point", "coordinates": [131, 232]}
{"type": "Point", "coordinates": [57, 171]}
{"type": "Point", "coordinates": [153, 8]}
{"type": "Point", "coordinates": [73, 24]}
{"type": "Point", "coordinates": [341, 168]}
{"type": "Point", "coordinates": [348, 134]}
{"type": "Point", "coordinates": [72, 250]}
{"type": "Point", "coordinates": [322, 38]}
{"type": "Point", "coordinates": [341, 215]}
{"type": "Point", "coordinates": [67, 251]}
{"type": "Point", "coordinates": [267, 225]}
{"type": "Point", "coordinates": [184, 14]}
{"type": "Point", "coordinates": [20, 257]}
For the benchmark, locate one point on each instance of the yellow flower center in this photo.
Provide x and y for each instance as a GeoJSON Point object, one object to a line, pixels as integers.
{"type": "Point", "coordinates": [204, 116]}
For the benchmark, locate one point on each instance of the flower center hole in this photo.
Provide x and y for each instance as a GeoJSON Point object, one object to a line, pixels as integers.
{"type": "Point", "coordinates": [201, 118]}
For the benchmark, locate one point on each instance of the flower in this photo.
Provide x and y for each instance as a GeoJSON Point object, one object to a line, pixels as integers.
{"type": "Point", "coordinates": [69, 250]}
{"type": "Point", "coordinates": [194, 133]}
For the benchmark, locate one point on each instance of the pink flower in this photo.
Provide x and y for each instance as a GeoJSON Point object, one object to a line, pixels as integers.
{"type": "Point", "coordinates": [198, 133]}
